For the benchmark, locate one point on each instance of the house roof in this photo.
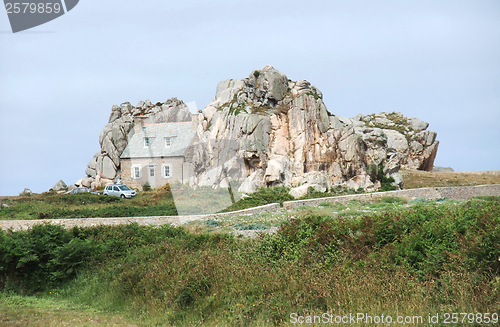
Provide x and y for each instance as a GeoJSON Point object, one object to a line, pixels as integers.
{"type": "Point", "coordinates": [157, 133]}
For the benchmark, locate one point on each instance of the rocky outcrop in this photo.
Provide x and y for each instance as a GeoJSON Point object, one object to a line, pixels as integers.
{"type": "Point", "coordinates": [270, 130]}
{"type": "Point", "coordinates": [104, 167]}
{"type": "Point", "coordinates": [267, 130]}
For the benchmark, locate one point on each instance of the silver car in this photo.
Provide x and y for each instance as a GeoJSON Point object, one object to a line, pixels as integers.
{"type": "Point", "coordinates": [120, 190]}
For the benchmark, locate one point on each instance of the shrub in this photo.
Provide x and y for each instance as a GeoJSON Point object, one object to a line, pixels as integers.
{"type": "Point", "coordinates": [242, 226]}
{"type": "Point", "coordinates": [146, 187]}
{"type": "Point", "coordinates": [377, 173]}
{"type": "Point", "coordinates": [264, 195]}
{"type": "Point", "coordinates": [48, 255]}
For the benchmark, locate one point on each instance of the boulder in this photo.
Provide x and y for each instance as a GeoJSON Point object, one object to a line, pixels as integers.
{"type": "Point", "coordinates": [252, 182]}
{"type": "Point", "coordinates": [90, 172]}
{"type": "Point", "coordinates": [108, 168]}
{"type": "Point", "coordinates": [26, 191]}
{"type": "Point", "coordinates": [59, 186]}
{"type": "Point", "coordinates": [267, 130]}
{"type": "Point", "coordinates": [86, 182]}
{"type": "Point", "coordinates": [396, 141]}
{"type": "Point", "coordinates": [361, 181]}
{"type": "Point", "coordinates": [300, 191]}
{"type": "Point", "coordinates": [417, 125]}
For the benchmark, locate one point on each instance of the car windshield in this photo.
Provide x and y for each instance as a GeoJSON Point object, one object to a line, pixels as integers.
{"type": "Point", "coordinates": [124, 188]}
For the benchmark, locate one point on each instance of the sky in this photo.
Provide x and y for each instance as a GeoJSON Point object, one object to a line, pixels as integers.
{"type": "Point", "coordinates": [438, 61]}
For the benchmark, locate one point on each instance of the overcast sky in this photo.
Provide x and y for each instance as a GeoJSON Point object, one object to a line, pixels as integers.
{"type": "Point", "coordinates": [435, 60]}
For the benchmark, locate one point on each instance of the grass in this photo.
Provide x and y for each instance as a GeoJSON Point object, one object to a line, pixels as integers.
{"type": "Point", "coordinates": [161, 202]}
{"type": "Point", "coordinates": [392, 258]}
{"type": "Point", "coordinates": [418, 178]}
{"type": "Point", "coordinates": [23, 311]}
{"type": "Point", "coordinates": [157, 202]}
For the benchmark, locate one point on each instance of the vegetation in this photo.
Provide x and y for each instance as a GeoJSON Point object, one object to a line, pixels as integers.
{"type": "Point", "coordinates": [262, 196]}
{"type": "Point", "coordinates": [432, 257]}
{"type": "Point", "coordinates": [419, 178]}
{"type": "Point", "coordinates": [161, 202]}
{"type": "Point", "coordinates": [313, 94]}
{"type": "Point", "coordinates": [377, 174]}
{"type": "Point", "coordinates": [146, 187]}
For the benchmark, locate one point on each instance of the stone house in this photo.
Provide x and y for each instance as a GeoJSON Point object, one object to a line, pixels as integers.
{"type": "Point", "coordinates": [158, 154]}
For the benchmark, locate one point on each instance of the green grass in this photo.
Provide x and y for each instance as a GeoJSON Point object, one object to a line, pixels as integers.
{"type": "Point", "coordinates": [158, 202]}
{"type": "Point", "coordinates": [403, 259]}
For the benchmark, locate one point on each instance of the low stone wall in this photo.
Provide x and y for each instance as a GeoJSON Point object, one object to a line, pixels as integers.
{"type": "Point", "coordinates": [428, 193]}
{"type": "Point", "coordinates": [157, 220]}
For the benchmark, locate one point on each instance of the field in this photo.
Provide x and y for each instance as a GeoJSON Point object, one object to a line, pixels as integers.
{"type": "Point", "coordinates": [418, 179]}
{"type": "Point", "coordinates": [390, 257]}
{"type": "Point", "coordinates": [183, 200]}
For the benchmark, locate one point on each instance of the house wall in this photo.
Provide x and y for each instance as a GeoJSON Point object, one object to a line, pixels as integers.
{"type": "Point", "coordinates": [177, 165]}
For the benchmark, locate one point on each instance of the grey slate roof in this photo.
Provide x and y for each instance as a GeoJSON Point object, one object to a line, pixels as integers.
{"type": "Point", "coordinates": [157, 133]}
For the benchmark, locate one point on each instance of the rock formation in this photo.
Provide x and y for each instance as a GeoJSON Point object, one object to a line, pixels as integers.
{"type": "Point", "coordinates": [286, 136]}
{"type": "Point", "coordinates": [267, 130]}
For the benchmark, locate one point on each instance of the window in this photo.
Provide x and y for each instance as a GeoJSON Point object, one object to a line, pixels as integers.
{"type": "Point", "coordinates": [147, 141]}
{"type": "Point", "coordinates": [152, 171]}
{"type": "Point", "coordinates": [136, 171]}
{"type": "Point", "coordinates": [169, 140]}
{"type": "Point", "coordinates": [166, 170]}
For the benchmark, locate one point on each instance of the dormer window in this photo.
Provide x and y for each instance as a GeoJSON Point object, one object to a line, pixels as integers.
{"type": "Point", "coordinates": [147, 141]}
{"type": "Point", "coordinates": [169, 140]}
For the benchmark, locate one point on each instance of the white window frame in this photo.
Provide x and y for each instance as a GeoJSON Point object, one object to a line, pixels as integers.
{"type": "Point", "coordinates": [147, 142]}
{"type": "Point", "coordinates": [169, 140]}
{"type": "Point", "coordinates": [132, 171]}
{"type": "Point", "coordinates": [151, 168]}
{"type": "Point", "coordinates": [169, 165]}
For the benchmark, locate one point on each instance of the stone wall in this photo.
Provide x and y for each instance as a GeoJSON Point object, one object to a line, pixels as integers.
{"type": "Point", "coordinates": [155, 221]}
{"type": "Point", "coordinates": [428, 193]}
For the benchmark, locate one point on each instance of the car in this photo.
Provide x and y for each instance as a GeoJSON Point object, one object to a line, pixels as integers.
{"type": "Point", "coordinates": [83, 190]}
{"type": "Point", "coordinates": [120, 190]}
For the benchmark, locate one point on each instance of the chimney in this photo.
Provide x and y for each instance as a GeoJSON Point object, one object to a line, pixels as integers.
{"type": "Point", "coordinates": [196, 118]}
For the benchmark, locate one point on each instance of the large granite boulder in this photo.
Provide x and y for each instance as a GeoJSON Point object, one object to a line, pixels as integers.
{"type": "Point", "coordinates": [286, 136]}
{"type": "Point", "coordinates": [266, 130]}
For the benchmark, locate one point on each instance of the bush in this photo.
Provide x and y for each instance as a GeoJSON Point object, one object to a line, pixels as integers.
{"type": "Point", "coordinates": [264, 195]}
{"type": "Point", "coordinates": [377, 173]}
{"type": "Point", "coordinates": [423, 239]}
{"type": "Point", "coordinates": [48, 255]}
{"type": "Point", "coordinates": [146, 187]}
{"type": "Point", "coordinates": [242, 226]}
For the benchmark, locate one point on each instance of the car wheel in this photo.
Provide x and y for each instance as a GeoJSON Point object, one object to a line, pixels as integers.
{"type": "Point", "coordinates": [122, 196]}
